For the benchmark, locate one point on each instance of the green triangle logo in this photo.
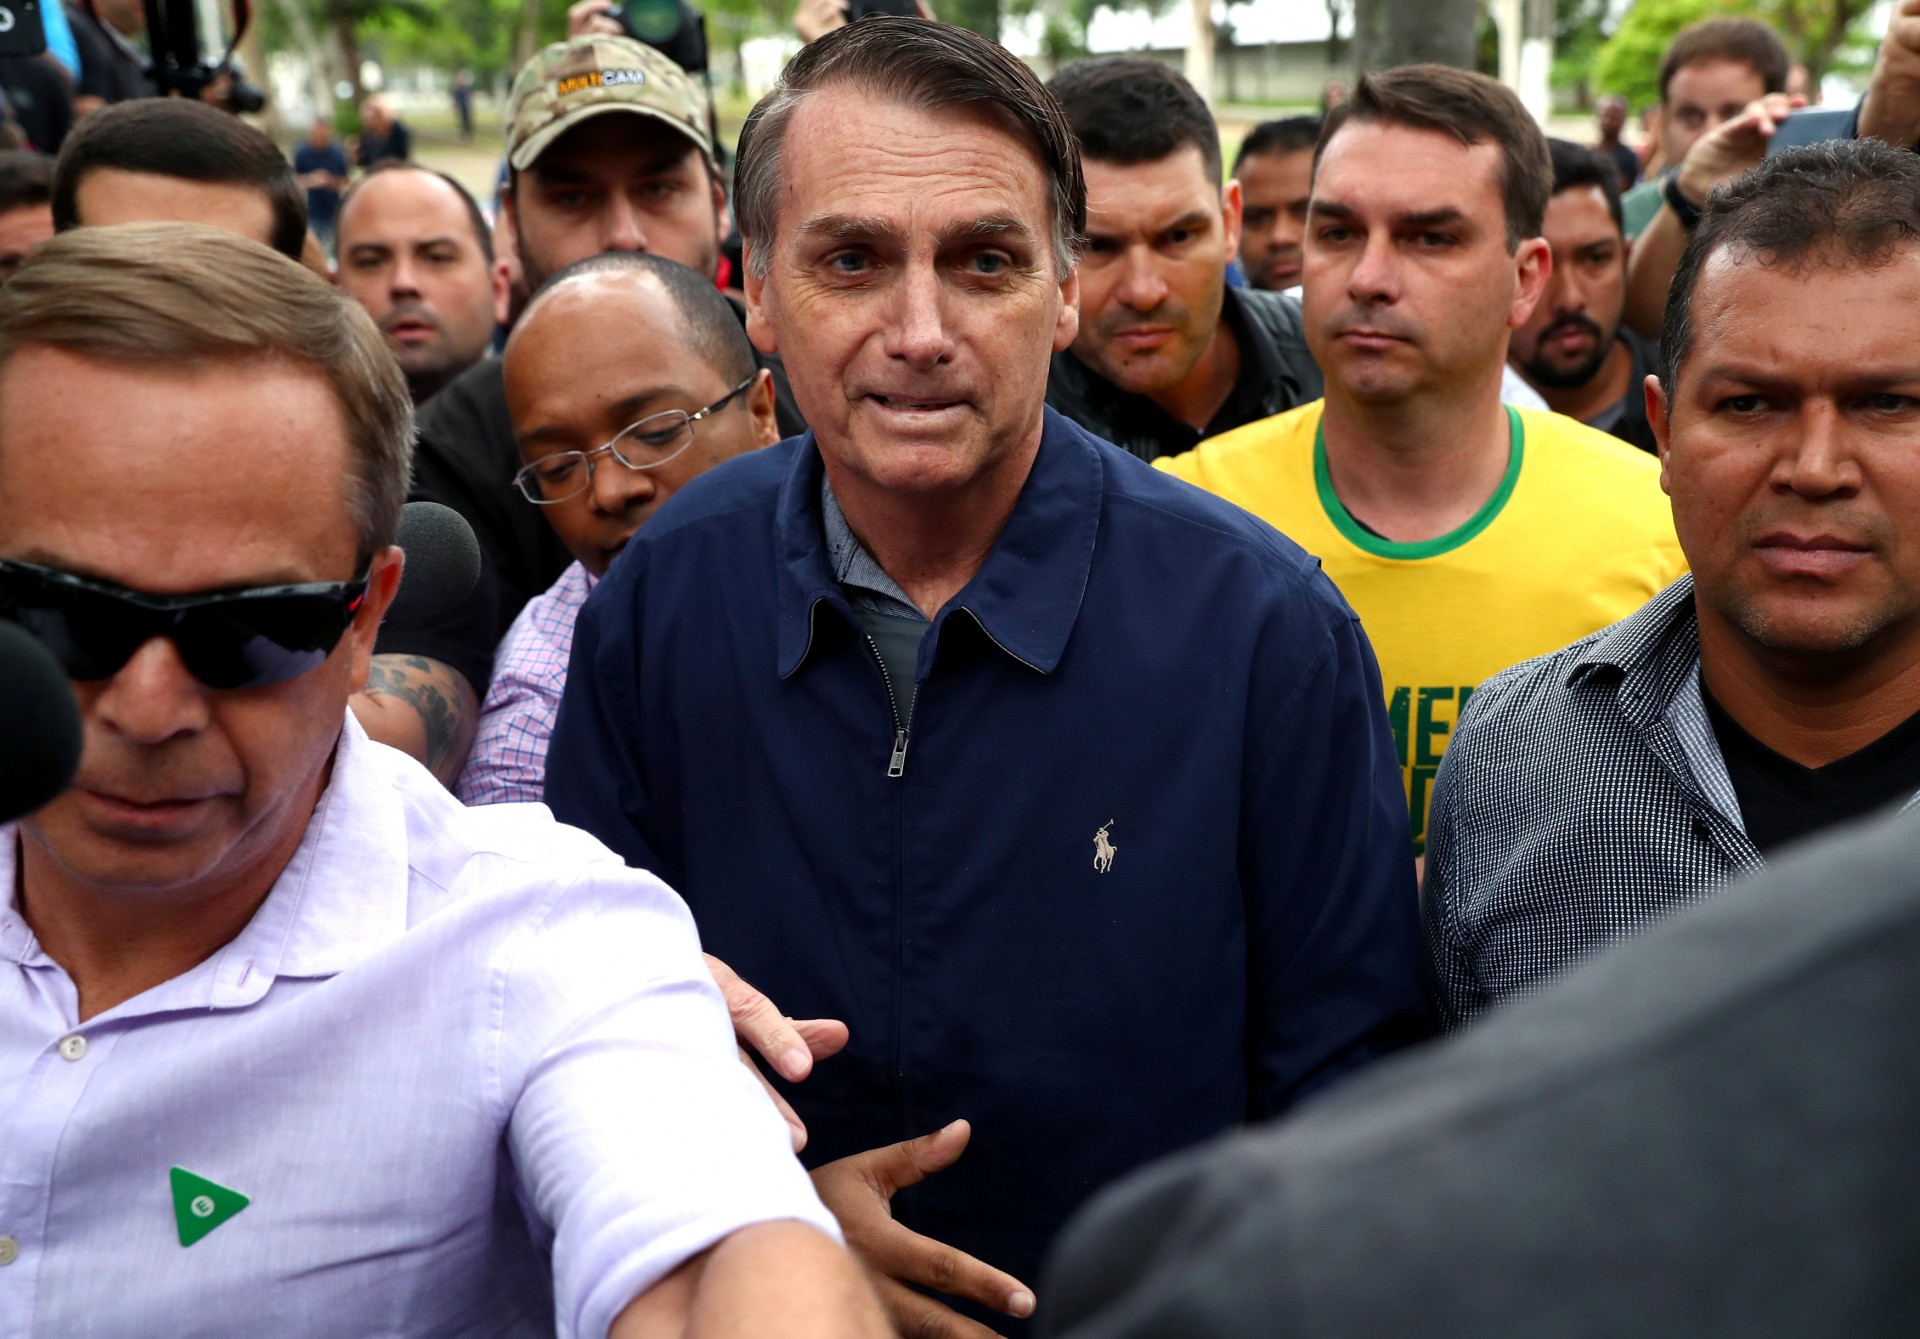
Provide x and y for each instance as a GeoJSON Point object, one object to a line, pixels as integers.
{"type": "Point", "coordinates": [199, 1205]}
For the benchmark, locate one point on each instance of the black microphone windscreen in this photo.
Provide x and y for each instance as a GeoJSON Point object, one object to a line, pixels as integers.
{"type": "Point", "coordinates": [443, 560]}
{"type": "Point", "coordinates": [39, 725]}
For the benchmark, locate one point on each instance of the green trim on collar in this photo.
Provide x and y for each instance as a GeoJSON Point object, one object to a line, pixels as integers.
{"type": "Point", "coordinates": [1362, 538]}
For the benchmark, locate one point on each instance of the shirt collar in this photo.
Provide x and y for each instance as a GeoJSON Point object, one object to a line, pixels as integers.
{"type": "Point", "coordinates": [341, 896]}
{"type": "Point", "coordinates": [1026, 595]}
{"type": "Point", "coordinates": [1654, 651]}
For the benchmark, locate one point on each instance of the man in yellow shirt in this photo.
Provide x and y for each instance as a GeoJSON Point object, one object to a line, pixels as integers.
{"type": "Point", "coordinates": [1467, 535]}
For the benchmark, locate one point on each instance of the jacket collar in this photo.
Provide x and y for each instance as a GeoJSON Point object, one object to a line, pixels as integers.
{"type": "Point", "coordinates": [1026, 595]}
{"type": "Point", "coordinates": [1656, 652]}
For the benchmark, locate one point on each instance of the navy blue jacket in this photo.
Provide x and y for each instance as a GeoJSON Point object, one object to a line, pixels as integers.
{"type": "Point", "coordinates": [1135, 656]}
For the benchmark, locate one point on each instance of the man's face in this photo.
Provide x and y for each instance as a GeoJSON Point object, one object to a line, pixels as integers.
{"type": "Point", "coordinates": [913, 290]}
{"type": "Point", "coordinates": [20, 231]}
{"type": "Point", "coordinates": [1613, 116]}
{"type": "Point", "coordinates": [617, 182]}
{"type": "Point", "coordinates": [408, 254]}
{"type": "Point", "coordinates": [1410, 288]}
{"type": "Point", "coordinates": [1703, 95]}
{"type": "Point", "coordinates": [595, 357]}
{"type": "Point", "coordinates": [1153, 275]}
{"type": "Point", "coordinates": [320, 134]}
{"type": "Point", "coordinates": [1567, 339]}
{"type": "Point", "coordinates": [107, 196]}
{"type": "Point", "coordinates": [177, 480]}
{"type": "Point", "coordinates": [1793, 455]}
{"type": "Point", "coordinates": [1274, 188]}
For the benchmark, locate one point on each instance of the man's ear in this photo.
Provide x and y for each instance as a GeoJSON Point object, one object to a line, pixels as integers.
{"type": "Point", "coordinates": [1533, 262]}
{"type": "Point", "coordinates": [1662, 427]}
{"type": "Point", "coordinates": [766, 424]}
{"type": "Point", "coordinates": [1067, 325]}
{"type": "Point", "coordinates": [759, 320]}
{"type": "Point", "coordinates": [383, 583]}
{"type": "Point", "coordinates": [1232, 211]}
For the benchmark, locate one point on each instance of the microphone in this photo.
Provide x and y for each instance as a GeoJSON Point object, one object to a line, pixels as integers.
{"type": "Point", "coordinates": [39, 725]}
{"type": "Point", "coordinates": [443, 560]}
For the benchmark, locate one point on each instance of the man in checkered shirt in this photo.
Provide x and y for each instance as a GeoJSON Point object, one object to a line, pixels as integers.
{"type": "Point", "coordinates": [1774, 692]}
{"type": "Point", "coordinates": [627, 376]}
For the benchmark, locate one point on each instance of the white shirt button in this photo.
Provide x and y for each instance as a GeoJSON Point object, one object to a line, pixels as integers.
{"type": "Point", "coordinates": [72, 1048]}
{"type": "Point", "coordinates": [9, 1251]}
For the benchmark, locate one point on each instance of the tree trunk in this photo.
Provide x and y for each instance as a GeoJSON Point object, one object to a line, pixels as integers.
{"type": "Point", "coordinates": [529, 41]}
{"type": "Point", "coordinates": [1199, 62]}
{"type": "Point", "coordinates": [1411, 32]}
{"type": "Point", "coordinates": [347, 42]}
{"type": "Point", "coordinates": [320, 72]}
{"type": "Point", "coordinates": [980, 16]}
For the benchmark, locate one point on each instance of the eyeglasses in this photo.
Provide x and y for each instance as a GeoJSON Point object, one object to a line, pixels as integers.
{"type": "Point", "coordinates": [646, 445]}
{"type": "Point", "coordinates": [233, 639]}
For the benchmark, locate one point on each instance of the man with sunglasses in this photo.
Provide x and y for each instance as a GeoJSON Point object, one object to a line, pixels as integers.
{"type": "Point", "coordinates": [627, 377]}
{"type": "Point", "coordinates": [291, 1041]}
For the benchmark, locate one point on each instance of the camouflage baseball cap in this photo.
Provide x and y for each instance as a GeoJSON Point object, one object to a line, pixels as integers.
{"type": "Point", "coordinates": [590, 76]}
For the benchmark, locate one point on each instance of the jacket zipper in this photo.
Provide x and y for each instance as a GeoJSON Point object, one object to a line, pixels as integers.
{"type": "Point", "coordinates": [897, 764]}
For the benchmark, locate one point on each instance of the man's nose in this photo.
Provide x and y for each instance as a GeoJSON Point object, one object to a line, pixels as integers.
{"type": "Point", "coordinates": [918, 331]}
{"type": "Point", "coordinates": [153, 698]}
{"type": "Point", "coordinates": [405, 279]}
{"type": "Point", "coordinates": [1141, 285]}
{"type": "Point", "coordinates": [1820, 462]}
{"type": "Point", "coordinates": [623, 228]}
{"type": "Point", "coordinates": [1376, 274]}
{"type": "Point", "coordinates": [615, 487]}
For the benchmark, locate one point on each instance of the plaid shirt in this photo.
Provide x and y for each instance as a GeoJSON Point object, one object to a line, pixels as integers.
{"type": "Point", "coordinates": [1583, 797]}
{"type": "Point", "coordinates": [508, 764]}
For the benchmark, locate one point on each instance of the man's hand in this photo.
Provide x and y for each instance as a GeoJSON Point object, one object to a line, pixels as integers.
{"type": "Point", "coordinates": [1891, 110]}
{"type": "Point", "coordinates": [593, 16]}
{"type": "Point", "coordinates": [1726, 151]}
{"type": "Point", "coordinates": [790, 1045]}
{"type": "Point", "coordinates": [860, 1190]}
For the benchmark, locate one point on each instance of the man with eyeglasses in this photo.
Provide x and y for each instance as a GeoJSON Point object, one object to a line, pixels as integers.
{"type": "Point", "coordinates": [627, 376]}
{"type": "Point", "coordinates": [291, 1042]}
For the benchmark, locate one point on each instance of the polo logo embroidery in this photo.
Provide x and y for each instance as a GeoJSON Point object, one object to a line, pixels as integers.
{"type": "Point", "coordinates": [200, 1205]}
{"type": "Point", "coordinates": [1103, 849]}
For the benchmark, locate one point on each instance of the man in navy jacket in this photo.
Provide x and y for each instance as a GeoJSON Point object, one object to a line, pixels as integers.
{"type": "Point", "coordinates": [1067, 787]}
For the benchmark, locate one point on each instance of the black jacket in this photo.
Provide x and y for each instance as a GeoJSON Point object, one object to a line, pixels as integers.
{"type": "Point", "coordinates": [1276, 374]}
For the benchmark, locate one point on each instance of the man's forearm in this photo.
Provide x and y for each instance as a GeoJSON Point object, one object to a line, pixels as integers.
{"type": "Point", "coordinates": [772, 1278]}
{"type": "Point", "coordinates": [1655, 256]}
{"type": "Point", "coordinates": [422, 707]}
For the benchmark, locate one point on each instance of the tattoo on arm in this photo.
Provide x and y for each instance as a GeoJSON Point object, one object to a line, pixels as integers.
{"type": "Point", "coordinates": [440, 697]}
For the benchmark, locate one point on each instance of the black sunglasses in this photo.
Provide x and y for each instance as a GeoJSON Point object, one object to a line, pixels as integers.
{"type": "Point", "coordinates": [229, 639]}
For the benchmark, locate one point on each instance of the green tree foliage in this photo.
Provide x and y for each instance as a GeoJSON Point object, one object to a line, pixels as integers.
{"type": "Point", "coordinates": [1821, 33]}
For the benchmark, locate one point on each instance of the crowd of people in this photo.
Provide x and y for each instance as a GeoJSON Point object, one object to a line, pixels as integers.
{"type": "Point", "coordinates": [997, 660]}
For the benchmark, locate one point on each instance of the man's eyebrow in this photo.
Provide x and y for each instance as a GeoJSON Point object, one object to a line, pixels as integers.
{"type": "Point", "coordinates": [1420, 218]}
{"type": "Point", "coordinates": [986, 228]}
{"type": "Point", "coordinates": [847, 228]}
{"type": "Point", "coordinates": [864, 228]}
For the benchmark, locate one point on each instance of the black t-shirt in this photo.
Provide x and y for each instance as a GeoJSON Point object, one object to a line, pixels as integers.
{"type": "Point", "coordinates": [465, 458]}
{"type": "Point", "coordinates": [1626, 418]}
{"type": "Point", "coordinates": [1781, 801]}
{"type": "Point", "coordinates": [42, 99]}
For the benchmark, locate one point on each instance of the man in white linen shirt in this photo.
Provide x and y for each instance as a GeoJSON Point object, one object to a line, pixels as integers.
{"type": "Point", "coordinates": [290, 1042]}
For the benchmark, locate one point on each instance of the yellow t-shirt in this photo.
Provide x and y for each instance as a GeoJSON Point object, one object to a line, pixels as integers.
{"type": "Point", "coordinates": [1577, 536]}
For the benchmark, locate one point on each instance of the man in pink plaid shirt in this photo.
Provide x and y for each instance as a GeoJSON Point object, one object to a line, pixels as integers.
{"type": "Point", "coordinates": [626, 377]}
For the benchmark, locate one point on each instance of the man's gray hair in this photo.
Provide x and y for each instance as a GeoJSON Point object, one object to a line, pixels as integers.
{"type": "Point", "coordinates": [174, 293]}
{"type": "Point", "coordinates": [926, 66]}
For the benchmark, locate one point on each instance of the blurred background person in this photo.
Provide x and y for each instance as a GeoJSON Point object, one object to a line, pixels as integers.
{"type": "Point", "coordinates": [383, 136]}
{"type": "Point", "coordinates": [417, 253]}
{"type": "Point", "coordinates": [112, 68]}
{"type": "Point", "coordinates": [1611, 118]}
{"type": "Point", "coordinates": [1575, 350]}
{"type": "Point", "coordinates": [1274, 168]}
{"type": "Point", "coordinates": [321, 164]}
{"type": "Point", "coordinates": [26, 207]}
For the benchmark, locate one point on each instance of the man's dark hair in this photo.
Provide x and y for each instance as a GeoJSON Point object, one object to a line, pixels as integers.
{"type": "Point", "coordinates": [710, 325]}
{"type": "Point", "coordinates": [178, 137]}
{"type": "Point", "coordinates": [927, 66]}
{"type": "Point", "coordinates": [1470, 107]}
{"type": "Point", "coordinates": [1290, 134]}
{"type": "Point", "coordinates": [25, 179]}
{"type": "Point", "coordinates": [1576, 165]}
{"type": "Point", "coordinates": [1851, 203]}
{"type": "Point", "coordinates": [1130, 110]}
{"type": "Point", "coordinates": [1748, 41]}
{"type": "Point", "coordinates": [482, 234]}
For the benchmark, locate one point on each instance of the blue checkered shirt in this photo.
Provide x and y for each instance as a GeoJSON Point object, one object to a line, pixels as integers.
{"type": "Point", "coordinates": [1583, 797]}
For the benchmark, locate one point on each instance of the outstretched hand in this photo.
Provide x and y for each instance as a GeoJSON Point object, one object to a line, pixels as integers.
{"type": "Point", "coordinates": [790, 1045]}
{"type": "Point", "coordinates": [860, 1192]}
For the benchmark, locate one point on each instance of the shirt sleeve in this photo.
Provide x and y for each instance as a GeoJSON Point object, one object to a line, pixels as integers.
{"type": "Point", "coordinates": [508, 764]}
{"type": "Point", "coordinates": [638, 1136]}
{"type": "Point", "coordinates": [1327, 860]}
{"type": "Point", "coordinates": [1458, 996]}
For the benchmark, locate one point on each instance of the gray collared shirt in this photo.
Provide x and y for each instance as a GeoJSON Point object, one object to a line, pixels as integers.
{"type": "Point", "coordinates": [893, 624]}
{"type": "Point", "coordinates": [1583, 796]}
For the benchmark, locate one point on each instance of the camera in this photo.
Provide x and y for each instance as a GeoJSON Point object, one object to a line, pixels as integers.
{"type": "Point", "coordinates": [21, 33]}
{"type": "Point", "coordinates": [173, 32]}
{"type": "Point", "coordinates": [674, 28]}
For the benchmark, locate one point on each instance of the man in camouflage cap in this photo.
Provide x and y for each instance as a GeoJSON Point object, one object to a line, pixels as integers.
{"type": "Point", "coordinates": [582, 180]}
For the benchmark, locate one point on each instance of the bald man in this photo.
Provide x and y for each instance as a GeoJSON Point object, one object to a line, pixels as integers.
{"type": "Point", "coordinates": [627, 377]}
